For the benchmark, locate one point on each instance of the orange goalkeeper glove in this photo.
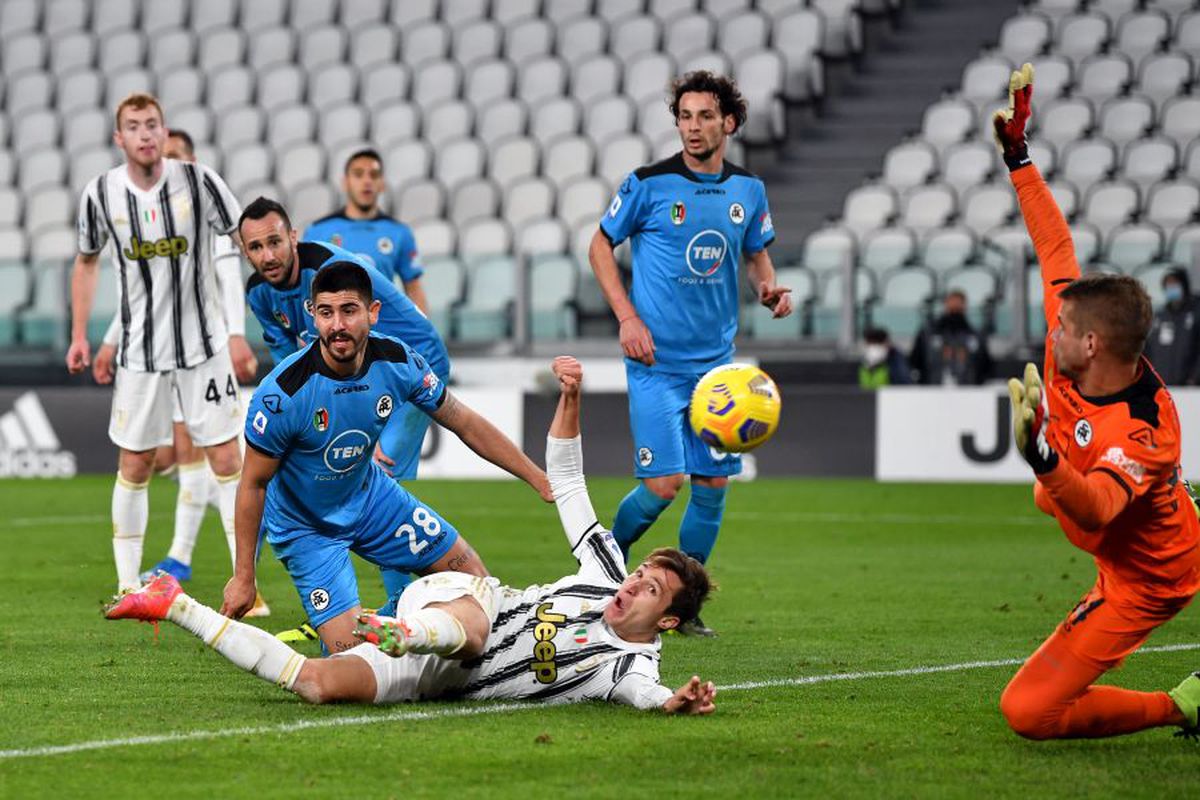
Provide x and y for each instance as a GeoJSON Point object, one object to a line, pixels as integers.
{"type": "Point", "coordinates": [1009, 124]}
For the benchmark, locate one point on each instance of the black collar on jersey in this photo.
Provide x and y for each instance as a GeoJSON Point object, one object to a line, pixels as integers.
{"type": "Point", "coordinates": [341, 214]}
{"type": "Point", "coordinates": [379, 348]}
{"type": "Point", "coordinates": [674, 165]}
{"type": "Point", "coordinates": [1139, 395]}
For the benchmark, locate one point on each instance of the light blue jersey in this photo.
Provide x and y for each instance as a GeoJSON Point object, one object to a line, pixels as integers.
{"type": "Point", "coordinates": [323, 429]}
{"type": "Point", "coordinates": [689, 232]}
{"type": "Point", "coordinates": [384, 242]}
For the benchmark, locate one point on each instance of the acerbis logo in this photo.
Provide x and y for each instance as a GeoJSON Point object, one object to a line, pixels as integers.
{"type": "Point", "coordinates": [706, 252]}
{"type": "Point", "coordinates": [29, 447]}
{"type": "Point", "coordinates": [346, 450]}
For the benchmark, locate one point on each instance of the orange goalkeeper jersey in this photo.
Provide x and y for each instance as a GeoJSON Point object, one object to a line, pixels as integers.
{"type": "Point", "coordinates": [1152, 547]}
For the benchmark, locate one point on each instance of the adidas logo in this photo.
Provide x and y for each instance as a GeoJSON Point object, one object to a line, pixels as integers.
{"type": "Point", "coordinates": [28, 446]}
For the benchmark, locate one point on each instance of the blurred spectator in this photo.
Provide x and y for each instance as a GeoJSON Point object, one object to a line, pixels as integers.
{"type": "Point", "coordinates": [948, 350]}
{"type": "Point", "coordinates": [882, 364]}
{"type": "Point", "coordinates": [1174, 344]}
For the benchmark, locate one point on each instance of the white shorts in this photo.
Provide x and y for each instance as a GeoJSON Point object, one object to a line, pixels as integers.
{"type": "Point", "coordinates": [207, 396]}
{"type": "Point", "coordinates": [426, 677]}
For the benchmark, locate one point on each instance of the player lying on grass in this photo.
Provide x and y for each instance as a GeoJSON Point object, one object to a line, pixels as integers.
{"type": "Point", "coordinates": [593, 635]}
{"type": "Point", "coordinates": [1103, 440]}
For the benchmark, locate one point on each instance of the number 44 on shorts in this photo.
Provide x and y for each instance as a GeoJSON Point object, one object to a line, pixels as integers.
{"type": "Point", "coordinates": [429, 524]}
{"type": "Point", "coordinates": [213, 396]}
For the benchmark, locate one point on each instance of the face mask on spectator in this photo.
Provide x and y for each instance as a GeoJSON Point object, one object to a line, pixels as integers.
{"type": "Point", "coordinates": [1173, 292]}
{"type": "Point", "coordinates": [875, 354]}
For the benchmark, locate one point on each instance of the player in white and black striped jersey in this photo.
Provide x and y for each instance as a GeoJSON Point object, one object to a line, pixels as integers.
{"type": "Point", "coordinates": [593, 635]}
{"type": "Point", "coordinates": [156, 217]}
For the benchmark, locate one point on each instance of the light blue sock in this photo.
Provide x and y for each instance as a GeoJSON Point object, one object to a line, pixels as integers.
{"type": "Point", "coordinates": [394, 582]}
{"type": "Point", "coordinates": [702, 521]}
{"type": "Point", "coordinates": [636, 513]}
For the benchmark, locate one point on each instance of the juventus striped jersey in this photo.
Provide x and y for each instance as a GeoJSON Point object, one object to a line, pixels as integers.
{"type": "Point", "coordinates": [160, 244]}
{"type": "Point", "coordinates": [551, 642]}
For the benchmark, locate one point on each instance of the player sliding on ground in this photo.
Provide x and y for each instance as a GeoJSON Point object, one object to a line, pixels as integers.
{"type": "Point", "coordinates": [1103, 440]}
{"type": "Point", "coordinates": [593, 635]}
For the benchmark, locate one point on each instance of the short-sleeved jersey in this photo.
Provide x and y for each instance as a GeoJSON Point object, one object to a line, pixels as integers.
{"type": "Point", "coordinates": [160, 244]}
{"type": "Point", "coordinates": [323, 428]}
{"type": "Point", "coordinates": [381, 241]}
{"type": "Point", "coordinates": [287, 320]}
{"type": "Point", "coordinates": [550, 642]}
{"type": "Point", "coordinates": [1153, 546]}
{"type": "Point", "coordinates": [688, 233]}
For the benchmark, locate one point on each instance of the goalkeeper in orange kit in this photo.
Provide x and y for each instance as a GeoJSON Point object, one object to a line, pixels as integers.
{"type": "Point", "coordinates": [1103, 439]}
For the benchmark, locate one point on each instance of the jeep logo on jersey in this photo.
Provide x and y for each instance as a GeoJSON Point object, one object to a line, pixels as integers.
{"type": "Point", "coordinates": [706, 252]}
{"type": "Point", "coordinates": [384, 406]}
{"type": "Point", "coordinates": [346, 450]}
{"type": "Point", "coordinates": [173, 247]}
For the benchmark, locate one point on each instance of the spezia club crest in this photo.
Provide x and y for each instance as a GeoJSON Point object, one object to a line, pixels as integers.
{"type": "Point", "coordinates": [737, 214]}
{"type": "Point", "coordinates": [383, 407]}
{"type": "Point", "coordinates": [1083, 433]}
{"type": "Point", "coordinates": [319, 599]}
{"type": "Point", "coordinates": [645, 456]}
{"type": "Point", "coordinates": [384, 245]}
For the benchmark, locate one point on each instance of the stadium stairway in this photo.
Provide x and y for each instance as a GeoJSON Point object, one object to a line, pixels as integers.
{"type": "Point", "coordinates": [907, 62]}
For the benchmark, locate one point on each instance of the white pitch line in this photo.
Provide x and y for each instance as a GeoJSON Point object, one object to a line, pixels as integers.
{"type": "Point", "coordinates": [472, 711]}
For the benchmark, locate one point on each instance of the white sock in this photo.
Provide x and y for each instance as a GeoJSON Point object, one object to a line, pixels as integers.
{"type": "Point", "coordinates": [226, 503]}
{"type": "Point", "coordinates": [432, 630]}
{"type": "Point", "coordinates": [212, 492]}
{"type": "Point", "coordinates": [189, 510]}
{"type": "Point", "coordinates": [130, 510]}
{"type": "Point", "coordinates": [248, 647]}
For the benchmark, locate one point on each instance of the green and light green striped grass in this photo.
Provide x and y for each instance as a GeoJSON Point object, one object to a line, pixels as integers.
{"type": "Point", "coordinates": [821, 581]}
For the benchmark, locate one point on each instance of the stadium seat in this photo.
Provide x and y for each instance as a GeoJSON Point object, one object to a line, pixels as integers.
{"type": "Point", "coordinates": [450, 119]}
{"type": "Point", "coordinates": [1087, 162]}
{"type": "Point", "coordinates": [829, 248]}
{"type": "Point", "coordinates": [513, 158]}
{"type": "Point", "coordinates": [72, 51]}
{"type": "Point", "coordinates": [291, 124]}
{"type": "Point", "coordinates": [582, 202]}
{"type": "Point", "coordinates": [196, 120]}
{"type": "Point", "coordinates": [614, 10]}
{"type": "Point", "coordinates": [443, 283]}
{"type": "Point", "coordinates": [621, 155]}
{"type": "Point", "coordinates": [1173, 203]}
{"type": "Point", "coordinates": [30, 90]}
{"type": "Point", "coordinates": [312, 13]}
{"type": "Point", "coordinates": [1109, 204]}
{"type": "Point", "coordinates": [968, 164]}
{"type": "Point", "coordinates": [435, 237]}
{"type": "Point", "coordinates": [568, 158]}
{"type": "Point", "coordinates": [526, 201]}
{"type": "Point", "coordinates": [1174, 9]}
{"type": "Point", "coordinates": [475, 199]}
{"type": "Point", "coordinates": [474, 41]}
{"type": "Point", "coordinates": [869, 207]}
{"type": "Point", "coordinates": [827, 311]}
{"type": "Point", "coordinates": [542, 79]}
{"type": "Point", "coordinates": [843, 27]}
{"type": "Point", "coordinates": [988, 206]}
{"type": "Point", "coordinates": [418, 201]}
{"type": "Point", "coordinates": [485, 313]}
{"type": "Point", "coordinates": [407, 160]}
{"type": "Point", "coordinates": [760, 321]}
{"type": "Point", "coordinates": [647, 76]}
{"type": "Point", "coordinates": [562, 11]}
{"type": "Point", "coordinates": [1065, 121]}
{"type": "Point", "coordinates": [1066, 196]}
{"type": "Point", "coordinates": [669, 9]}
{"type": "Point", "coordinates": [50, 206]}
{"type": "Point", "coordinates": [1130, 247]}
{"type": "Point", "coordinates": [236, 126]}
{"type": "Point", "coordinates": [582, 39]}
{"type": "Point", "coordinates": [308, 202]}
{"type": "Point", "coordinates": [1124, 120]}
{"type": "Point", "coordinates": [487, 81]}
{"type": "Point", "coordinates": [435, 82]}
{"type": "Point", "coordinates": [121, 85]}
{"type": "Point", "coordinates": [1082, 35]}
{"type": "Point", "coordinates": [13, 243]}
{"type": "Point", "coordinates": [247, 165]}
{"type": "Point", "coordinates": [178, 88]}
{"type": "Point", "coordinates": [321, 46]}
{"type": "Point", "coordinates": [173, 49]}
{"type": "Point", "coordinates": [301, 163]}
{"type": "Point", "coordinates": [1181, 119]}
{"type": "Point", "coordinates": [904, 301]}
{"type": "Point", "coordinates": [926, 207]}
{"type": "Point", "coordinates": [633, 36]}
{"type": "Point", "coordinates": [212, 14]}
{"type": "Point", "coordinates": [606, 117]}
{"type": "Point", "coordinates": [123, 50]}
{"type": "Point", "coordinates": [1148, 161]}
{"type": "Point", "coordinates": [656, 123]}
{"type": "Point", "coordinates": [263, 14]}
{"type": "Point", "coordinates": [1163, 76]}
{"type": "Point", "coordinates": [1187, 34]}
{"type": "Point", "coordinates": [710, 60]}
{"type": "Point", "coordinates": [425, 42]}
{"type": "Point", "coordinates": [395, 124]}
{"type": "Point", "coordinates": [947, 249]}
{"type": "Point", "coordinates": [19, 16]}
{"type": "Point", "coordinates": [1113, 9]}
{"type": "Point", "coordinates": [458, 160]}
{"type": "Point", "coordinates": [542, 236]}
{"type": "Point", "coordinates": [459, 12]}
{"type": "Point", "coordinates": [527, 38]}
{"type": "Point", "coordinates": [909, 164]}
{"type": "Point", "coordinates": [1053, 75]}
{"type": "Point", "coordinates": [45, 167]}
{"type": "Point", "coordinates": [948, 122]}
{"type": "Point", "coordinates": [686, 34]}
{"type": "Point", "coordinates": [44, 323]}
{"type": "Point", "coordinates": [500, 120]}
{"type": "Point", "coordinates": [61, 243]}
{"type": "Point", "coordinates": [553, 283]}
{"type": "Point", "coordinates": [21, 52]}
{"type": "Point", "coordinates": [598, 76]}
{"type": "Point", "coordinates": [64, 16]}
{"type": "Point", "coordinates": [1023, 37]}
{"type": "Point", "coordinates": [11, 204]}
{"type": "Point", "coordinates": [1140, 34]}
{"type": "Point", "coordinates": [980, 284]}
{"type": "Point", "coordinates": [742, 33]}
{"type": "Point", "coordinates": [232, 87]}
{"type": "Point", "coordinates": [342, 124]}
{"type": "Point", "coordinates": [1185, 246]}
{"type": "Point", "coordinates": [886, 249]}
{"type": "Point", "coordinates": [762, 75]}
{"type": "Point", "coordinates": [362, 14]}
{"type": "Point", "coordinates": [1100, 77]}
{"type": "Point", "coordinates": [1087, 239]}
{"type": "Point", "coordinates": [798, 37]}
{"type": "Point", "coordinates": [985, 81]}
{"type": "Point", "coordinates": [372, 45]}
{"type": "Point", "coordinates": [331, 85]}
{"type": "Point", "coordinates": [272, 47]}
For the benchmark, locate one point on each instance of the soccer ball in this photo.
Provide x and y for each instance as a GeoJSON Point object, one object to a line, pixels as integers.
{"type": "Point", "coordinates": [735, 408]}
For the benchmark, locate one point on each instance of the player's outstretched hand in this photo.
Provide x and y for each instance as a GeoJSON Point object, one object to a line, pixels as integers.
{"type": "Point", "coordinates": [1029, 421]}
{"type": "Point", "coordinates": [239, 597]}
{"type": "Point", "coordinates": [776, 298]}
{"type": "Point", "coordinates": [569, 372]}
{"type": "Point", "coordinates": [1008, 124]}
{"type": "Point", "coordinates": [693, 697]}
{"type": "Point", "coordinates": [636, 341]}
{"type": "Point", "coordinates": [102, 364]}
{"type": "Point", "coordinates": [381, 458]}
{"type": "Point", "coordinates": [79, 356]}
{"type": "Point", "coordinates": [245, 365]}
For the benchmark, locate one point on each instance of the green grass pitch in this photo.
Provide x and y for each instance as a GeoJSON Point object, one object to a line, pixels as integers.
{"type": "Point", "coordinates": [818, 578]}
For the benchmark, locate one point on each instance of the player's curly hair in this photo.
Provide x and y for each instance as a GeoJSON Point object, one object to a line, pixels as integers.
{"type": "Point", "coordinates": [691, 573]}
{"type": "Point", "coordinates": [729, 98]}
{"type": "Point", "coordinates": [1117, 307]}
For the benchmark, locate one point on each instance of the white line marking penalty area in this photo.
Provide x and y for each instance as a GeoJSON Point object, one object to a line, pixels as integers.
{"type": "Point", "coordinates": [499, 708]}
